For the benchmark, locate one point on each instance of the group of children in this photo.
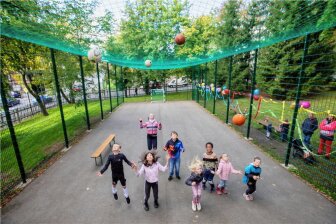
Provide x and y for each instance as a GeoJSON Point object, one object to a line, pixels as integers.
{"type": "Point", "coordinates": [201, 171]}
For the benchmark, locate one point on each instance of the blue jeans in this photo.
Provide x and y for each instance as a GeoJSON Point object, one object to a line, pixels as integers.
{"type": "Point", "coordinates": [222, 183]}
{"type": "Point", "coordinates": [208, 176]}
{"type": "Point", "coordinates": [174, 163]}
{"type": "Point", "coordinates": [306, 140]}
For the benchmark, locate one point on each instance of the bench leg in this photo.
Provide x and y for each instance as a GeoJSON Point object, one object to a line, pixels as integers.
{"type": "Point", "coordinates": [96, 161]}
{"type": "Point", "coordinates": [101, 159]}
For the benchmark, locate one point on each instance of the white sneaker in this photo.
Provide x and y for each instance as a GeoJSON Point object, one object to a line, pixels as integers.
{"type": "Point", "coordinates": [193, 206]}
{"type": "Point", "coordinates": [247, 198]}
{"type": "Point", "coordinates": [199, 207]}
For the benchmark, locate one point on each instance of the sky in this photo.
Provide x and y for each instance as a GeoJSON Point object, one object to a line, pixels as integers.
{"type": "Point", "coordinates": [198, 7]}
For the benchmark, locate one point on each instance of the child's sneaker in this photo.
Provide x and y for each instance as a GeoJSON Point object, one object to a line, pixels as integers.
{"type": "Point", "coordinates": [218, 190]}
{"type": "Point", "coordinates": [156, 204]}
{"type": "Point", "coordinates": [115, 196]}
{"type": "Point", "coordinates": [224, 191]}
{"type": "Point", "coordinates": [193, 206]}
{"type": "Point", "coordinates": [247, 198]}
{"type": "Point", "coordinates": [212, 189]}
{"type": "Point", "coordinates": [128, 200]}
{"type": "Point", "coordinates": [251, 197]}
{"type": "Point", "coordinates": [199, 207]}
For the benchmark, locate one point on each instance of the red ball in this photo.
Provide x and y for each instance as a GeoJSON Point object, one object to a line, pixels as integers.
{"type": "Point", "coordinates": [179, 39]}
{"type": "Point", "coordinates": [256, 97]}
{"type": "Point", "coordinates": [226, 91]}
{"type": "Point", "coordinates": [238, 119]}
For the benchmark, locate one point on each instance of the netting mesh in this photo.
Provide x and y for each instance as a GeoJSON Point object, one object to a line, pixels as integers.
{"type": "Point", "coordinates": [131, 32]}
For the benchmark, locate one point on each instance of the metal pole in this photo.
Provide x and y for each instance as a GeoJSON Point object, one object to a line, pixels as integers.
{"type": "Point", "coordinates": [297, 99]}
{"type": "Point", "coordinates": [31, 109]}
{"type": "Point", "coordinates": [116, 83]}
{"type": "Point", "coordinates": [84, 93]}
{"type": "Point", "coordinates": [214, 102]}
{"type": "Point", "coordinates": [122, 84]}
{"type": "Point", "coordinates": [109, 85]}
{"type": "Point", "coordinates": [59, 97]}
{"type": "Point", "coordinates": [205, 85]}
{"type": "Point", "coordinates": [198, 83]}
{"type": "Point", "coordinates": [12, 132]}
{"type": "Point", "coordinates": [229, 94]}
{"type": "Point", "coordinates": [252, 93]}
{"type": "Point", "coordinates": [99, 93]}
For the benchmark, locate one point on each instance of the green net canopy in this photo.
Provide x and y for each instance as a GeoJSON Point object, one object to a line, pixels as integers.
{"type": "Point", "coordinates": [130, 32]}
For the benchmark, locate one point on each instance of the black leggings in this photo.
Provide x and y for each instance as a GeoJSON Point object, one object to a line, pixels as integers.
{"type": "Point", "coordinates": [251, 187]}
{"type": "Point", "coordinates": [155, 187]}
{"type": "Point", "coordinates": [151, 141]}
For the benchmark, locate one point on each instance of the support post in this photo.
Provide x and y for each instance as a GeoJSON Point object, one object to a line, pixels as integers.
{"type": "Point", "coordinates": [297, 99]}
{"type": "Point", "coordinates": [214, 102]}
{"type": "Point", "coordinates": [229, 94]}
{"type": "Point", "coordinates": [59, 97]}
{"type": "Point", "coordinates": [12, 132]}
{"type": "Point", "coordinates": [84, 93]}
{"type": "Point", "coordinates": [252, 93]}
{"type": "Point", "coordinates": [99, 93]}
{"type": "Point", "coordinates": [109, 86]}
{"type": "Point", "coordinates": [205, 85]}
{"type": "Point", "coordinates": [116, 84]}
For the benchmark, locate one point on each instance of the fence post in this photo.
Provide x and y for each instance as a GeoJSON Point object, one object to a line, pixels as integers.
{"type": "Point", "coordinates": [252, 93]}
{"type": "Point", "coordinates": [59, 97]}
{"type": "Point", "coordinates": [214, 102]}
{"type": "Point", "coordinates": [84, 93]}
{"type": "Point", "coordinates": [229, 94]}
{"type": "Point", "coordinates": [122, 83]}
{"type": "Point", "coordinates": [116, 84]}
{"type": "Point", "coordinates": [99, 93]}
{"type": "Point", "coordinates": [12, 132]}
{"type": "Point", "coordinates": [109, 85]}
{"type": "Point", "coordinates": [31, 109]}
{"type": "Point", "coordinates": [297, 99]}
{"type": "Point", "coordinates": [205, 85]}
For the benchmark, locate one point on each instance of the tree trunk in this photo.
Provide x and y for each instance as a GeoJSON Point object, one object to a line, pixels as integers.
{"type": "Point", "coordinates": [65, 97]}
{"type": "Point", "coordinates": [35, 95]}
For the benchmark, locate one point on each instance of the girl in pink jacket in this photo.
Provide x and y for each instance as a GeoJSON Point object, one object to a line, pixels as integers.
{"type": "Point", "coordinates": [224, 170]}
{"type": "Point", "coordinates": [152, 129]}
{"type": "Point", "coordinates": [327, 130]}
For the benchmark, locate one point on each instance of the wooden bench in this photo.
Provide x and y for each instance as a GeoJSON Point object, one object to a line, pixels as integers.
{"type": "Point", "coordinates": [102, 147]}
{"type": "Point", "coordinates": [275, 123]}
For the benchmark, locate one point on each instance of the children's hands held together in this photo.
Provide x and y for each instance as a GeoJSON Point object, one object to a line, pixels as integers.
{"type": "Point", "coordinates": [134, 166]}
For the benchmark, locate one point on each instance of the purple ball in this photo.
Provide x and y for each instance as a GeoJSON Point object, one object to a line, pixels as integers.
{"type": "Point", "coordinates": [305, 104]}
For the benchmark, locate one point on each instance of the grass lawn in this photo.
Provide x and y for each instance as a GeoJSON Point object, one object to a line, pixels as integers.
{"type": "Point", "coordinates": [321, 175]}
{"type": "Point", "coordinates": [41, 136]}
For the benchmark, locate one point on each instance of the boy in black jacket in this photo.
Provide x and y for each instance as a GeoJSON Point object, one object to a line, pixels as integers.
{"type": "Point", "coordinates": [116, 161]}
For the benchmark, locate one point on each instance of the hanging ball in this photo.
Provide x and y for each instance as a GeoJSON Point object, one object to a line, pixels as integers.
{"type": "Point", "coordinates": [256, 92]}
{"type": "Point", "coordinates": [226, 91]}
{"type": "Point", "coordinates": [95, 54]}
{"type": "Point", "coordinates": [305, 104]}
{"type": "Point", "coordinates": [224, 87]}
{"type": "Point", "coordinates": [256, 97]}
{"type": "Point", "coordinates": [179, 39]}
{"type": "Point", "coordinates": [218, 90]}
{"type": "Point", "coordinates": [292, 106]}
{"type": "Point", "coordinates": [148, 63]}
{"type": "Point", "coordinates": [238, 119]}
{"type": "Point", "coordinates": [203, 84]}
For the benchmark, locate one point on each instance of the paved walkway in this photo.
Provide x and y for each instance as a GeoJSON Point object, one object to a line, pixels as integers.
{"type": "Point", "coordinates": [70, 192]}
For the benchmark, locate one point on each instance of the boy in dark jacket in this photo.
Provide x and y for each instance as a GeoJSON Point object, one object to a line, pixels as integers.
{"type": "Point", "coordinates": [309, 125]}
{"type": "Point", "coordinates": [284, 128]}
{"type": "Point", "coordinates": [116, 161]}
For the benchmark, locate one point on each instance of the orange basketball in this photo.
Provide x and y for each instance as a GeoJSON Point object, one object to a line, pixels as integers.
{"type": "Point", "coordinates": [179, 39]}
{"type": "Point", "coordinates": [238, 119]}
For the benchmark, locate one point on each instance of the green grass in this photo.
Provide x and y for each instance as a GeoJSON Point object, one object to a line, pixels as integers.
{"type": "Point", "coordinates": [322, 175]}
{"type": "Point", "coordinates": [40, 136]}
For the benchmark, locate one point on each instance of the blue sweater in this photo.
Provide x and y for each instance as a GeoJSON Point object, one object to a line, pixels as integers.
{"type": "Point", "coordinates": [251, 171]}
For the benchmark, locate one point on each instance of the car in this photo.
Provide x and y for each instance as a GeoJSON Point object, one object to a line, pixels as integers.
{"type": "Point", "coordinates": [77, 88]}
{"type": "Point", "coordinates": [45, 99]}
{"type": "Point", "coordinates": [11, 102]}
{"type": "Point", "coordinates": [16, 94]}
{"type": "Point", "coordinates": [180, 82]}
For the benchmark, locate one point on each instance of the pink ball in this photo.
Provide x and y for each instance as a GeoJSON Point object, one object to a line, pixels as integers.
{"type": "Point", "coordinates": [305, 104]}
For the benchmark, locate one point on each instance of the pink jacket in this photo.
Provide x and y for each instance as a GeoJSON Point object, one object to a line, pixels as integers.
{"type": "Point", "coordinates": [152, 172]}
{"type": "Point", "coordinates": [152, 126]}
{"type": "Point", "coordinates": [225, 169]}
{"type": "Point", "coordinates": [327, 129]}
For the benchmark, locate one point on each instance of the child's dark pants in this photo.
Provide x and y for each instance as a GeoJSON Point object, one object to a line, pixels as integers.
{"type": "Point", "coordinates": [155, 187]}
